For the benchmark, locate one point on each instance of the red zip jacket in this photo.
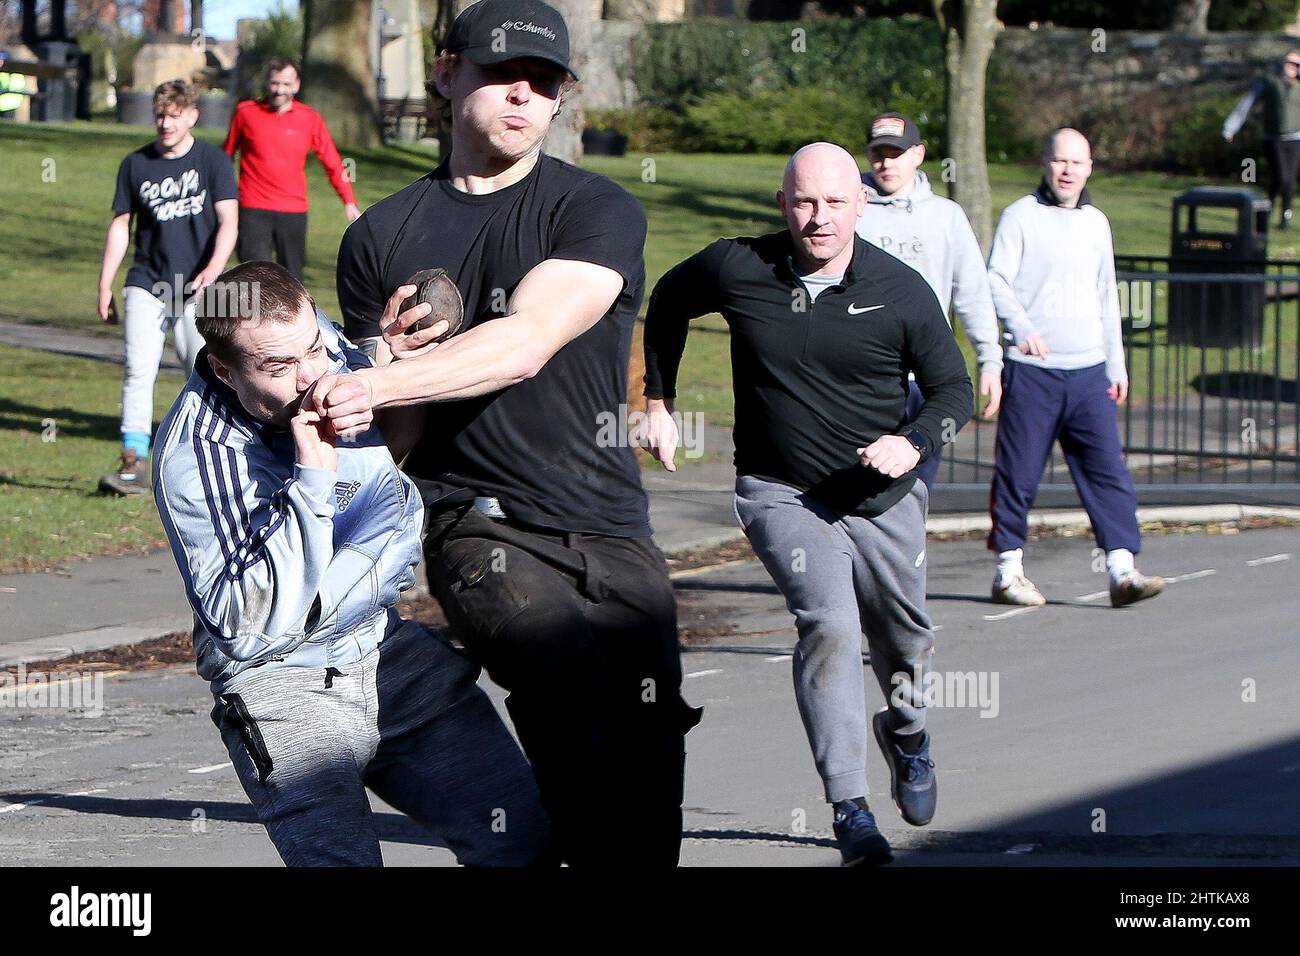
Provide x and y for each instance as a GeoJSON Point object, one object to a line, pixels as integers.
{"type": "Point", "coordinates": [273, 156]}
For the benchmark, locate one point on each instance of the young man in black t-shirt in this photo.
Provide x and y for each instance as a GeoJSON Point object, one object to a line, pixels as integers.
{"type": "Point", "coordinates": [825, 329]}
{"type": "Point", "coordinates": [182, 193]}
{"type": "Point", "coordinates": [538, 541]}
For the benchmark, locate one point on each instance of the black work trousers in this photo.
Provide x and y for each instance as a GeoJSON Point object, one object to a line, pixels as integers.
{"type": "Point", "coordinates": [581, 629]}
{"type": "Point", "coordinates": [1285, 154]}
{"type": "Point", "coordinates": [263, 231]}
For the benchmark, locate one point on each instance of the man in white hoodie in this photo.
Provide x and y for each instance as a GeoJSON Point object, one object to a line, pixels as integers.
{"type": "Point", "coordinates": [932, 235]}
{"type": "Point", "coordinates": [1052, 275]}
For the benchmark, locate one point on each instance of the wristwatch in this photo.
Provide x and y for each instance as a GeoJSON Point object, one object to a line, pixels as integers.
{"type": "Point", "coordinates": [920, 441]}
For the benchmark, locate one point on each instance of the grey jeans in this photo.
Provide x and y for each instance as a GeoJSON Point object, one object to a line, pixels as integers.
{"type": "Point", "coordinates": [409, 722]}
{"type": "Point", "coordinates": [844, 577]}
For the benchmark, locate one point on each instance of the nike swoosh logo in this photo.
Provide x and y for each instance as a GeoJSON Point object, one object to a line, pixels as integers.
{"type": "Point", "coordinates": [854, 310]}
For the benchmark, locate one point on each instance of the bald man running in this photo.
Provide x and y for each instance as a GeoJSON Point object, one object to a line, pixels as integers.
{"type": "Point", "coordinates": [825, 328]}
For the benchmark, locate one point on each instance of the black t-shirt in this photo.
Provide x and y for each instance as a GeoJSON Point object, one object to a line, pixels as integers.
{"type": "Point", "coordinates": [174, 202]}
{"type": "Point", "coordinates": [816, 380]}
{"type": "Point", "coordinates": [541, 446]}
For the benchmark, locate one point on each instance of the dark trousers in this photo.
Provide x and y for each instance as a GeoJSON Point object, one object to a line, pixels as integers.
{"type": "Point", "coordinates": [1285, 154]}
{"type": "Point", "coordinates": [927, 470]}
{"type": "Point", "coordinates": [261, 231]}
{"type": "Point", "coordinates": [409, 722]}
{"type": "Point", "coordinates": [582, 631]}
{"type": "Point", "coordinates": [1039, 407]}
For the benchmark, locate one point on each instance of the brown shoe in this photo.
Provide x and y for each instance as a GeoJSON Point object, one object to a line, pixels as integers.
{"type": "Point", "coordinates": [1135, 587]}
{"type": "Point", "coordinates": [130, 478]}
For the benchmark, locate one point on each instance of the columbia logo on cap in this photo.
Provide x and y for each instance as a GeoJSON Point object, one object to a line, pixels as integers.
{"type": "Point", "coordinates": [887, 126]}
{"type": "Point", "coordinates": [529, 27]}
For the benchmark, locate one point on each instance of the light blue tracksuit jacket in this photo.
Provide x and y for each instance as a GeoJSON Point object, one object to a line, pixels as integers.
{"type": "Point", "coordinates": [283, 565]}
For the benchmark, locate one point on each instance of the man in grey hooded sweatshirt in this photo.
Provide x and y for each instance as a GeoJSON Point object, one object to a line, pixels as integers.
{"type": "Point", "coordinates": [932, 235]}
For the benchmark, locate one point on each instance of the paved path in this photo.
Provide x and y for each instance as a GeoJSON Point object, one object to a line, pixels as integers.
{"type": "Point", "coordinates": [1136, 714]}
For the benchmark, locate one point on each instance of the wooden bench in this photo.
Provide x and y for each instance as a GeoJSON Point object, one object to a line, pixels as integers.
{"type": "Point", "coordinates": [393, 111]}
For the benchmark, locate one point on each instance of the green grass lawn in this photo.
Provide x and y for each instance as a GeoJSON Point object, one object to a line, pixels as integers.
{"type": "Point", "coordinates": [55, 195]}
{"type": "Point", "coordinates": [697, 198]}
{"type": "Point", "coordinates": [61, 224]}
{"type": "Point", "coordinates": [49, 509]}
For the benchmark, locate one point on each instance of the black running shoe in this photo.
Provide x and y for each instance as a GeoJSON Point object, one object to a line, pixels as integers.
{"type": "Point", "coordinates": [911, 776]}
{"type": "Point", "coordinates": [861, 842]}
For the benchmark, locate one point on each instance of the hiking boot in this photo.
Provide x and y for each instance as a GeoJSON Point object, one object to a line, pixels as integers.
{"type": "Point", "coordinates": [1017, 590]}
{"type": "Point", "coordinates": [1135, 587]}
{"type": "Point", "coordinates": [130, 478]}
{"type": "Point", "coordinates": [861, 842]}
{"type": "Point", "coordinates": [911, 776]}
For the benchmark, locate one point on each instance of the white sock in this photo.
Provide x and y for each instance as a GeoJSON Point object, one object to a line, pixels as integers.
{"type": "Point", "coordinates": [1011, 564]}
{"type": "Point", "coordinates": [1119, 563]}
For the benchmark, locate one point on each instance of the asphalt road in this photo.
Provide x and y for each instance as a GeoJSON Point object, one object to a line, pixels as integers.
{"type": "Point", "coordinates": [1163, 734]}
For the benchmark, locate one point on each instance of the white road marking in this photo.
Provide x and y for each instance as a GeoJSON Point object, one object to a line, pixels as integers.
{"type": "Point", "coordinates": [1271, 559]}
{"type": "Point", "coordinates": [14, 807]}
{"type": "Point", "coordinates": [1020, 848]}
{"type": "Point", "coordinates": [212, 769]}
{"type": "Point", "coordinates": [1291, 769]}
{"type": "Point", "coordinates": [1192, 576]}
{"type": "Point", "coordinates": [1094, 596]}
{"type": "Point", "coordinates": [716, 670]}
{"type": "Point", "coordinates": [779, 659]}
{"type": "Point", "coordinates": [1006, 614]}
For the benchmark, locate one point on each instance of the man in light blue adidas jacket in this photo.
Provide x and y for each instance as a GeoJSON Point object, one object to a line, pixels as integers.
{"type": "Point", "coordinates": [932, 235]}
{"type": "Point", "coordinates": [294, 542]}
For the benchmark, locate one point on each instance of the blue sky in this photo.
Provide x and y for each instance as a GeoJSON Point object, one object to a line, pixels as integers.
{"type": "Point", "coordinates": [219, 16]}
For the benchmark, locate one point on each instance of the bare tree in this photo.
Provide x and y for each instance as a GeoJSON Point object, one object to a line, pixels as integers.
{"type": "Point", "coordinates": [1191, 16]}
{"type": "Point", "coordinates": [444, 15]}
{"type": "Point", "coordinates": [564, 141]}
{"type": "Point", "coordinates": [338, 70]}
{"type": "Point", "coordinates": [970, 28]}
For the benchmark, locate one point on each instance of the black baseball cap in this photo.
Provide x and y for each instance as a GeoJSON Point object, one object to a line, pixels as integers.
{"type": "Point", "coordinates": [493, 31]}
{"type": "Point", "coordinates": [893, 129]}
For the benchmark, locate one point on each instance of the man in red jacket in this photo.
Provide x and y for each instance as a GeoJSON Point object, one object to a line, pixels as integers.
{"type": "Point", "coordinates": [273, 136]}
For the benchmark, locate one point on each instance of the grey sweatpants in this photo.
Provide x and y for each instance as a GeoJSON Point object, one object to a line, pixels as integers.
{"type": "Point", "coordinates": [842, 578]}
{"type": "Point", "coordinates": [409, 722]}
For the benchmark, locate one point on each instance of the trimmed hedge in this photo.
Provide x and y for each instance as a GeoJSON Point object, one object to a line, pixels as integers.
{"type": "Point", "coordinates": [686, 61]}
{"type": "Point", "coordinates": [735, 86]}
{"type": "Point", "coordinates": [727, 86]}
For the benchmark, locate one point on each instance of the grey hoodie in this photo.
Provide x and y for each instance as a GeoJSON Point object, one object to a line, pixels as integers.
{"type": "Point", "coordinates": [933, 236]}
{"type": "Point", "coordinates": [1052, 272]}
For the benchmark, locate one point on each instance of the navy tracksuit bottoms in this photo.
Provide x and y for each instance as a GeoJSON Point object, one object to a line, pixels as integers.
{"type": "Point", "coordinates": [1041, 406]}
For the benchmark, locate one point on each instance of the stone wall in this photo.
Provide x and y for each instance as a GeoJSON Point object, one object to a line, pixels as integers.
{"type": "Point", "coordinates": [1131, 92]}
{"type": "Point", "coordinates": [1118, 63]}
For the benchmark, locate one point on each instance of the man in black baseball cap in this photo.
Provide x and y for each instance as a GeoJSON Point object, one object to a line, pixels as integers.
{"type": "Point", "coordinates": [893, 129]}
{"type": "Point", "coordinates": [932, 235]}
{"type": "Point", "coordinates": [493, 31]}
{"type": "Point", "coordinates": [537, 539]}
